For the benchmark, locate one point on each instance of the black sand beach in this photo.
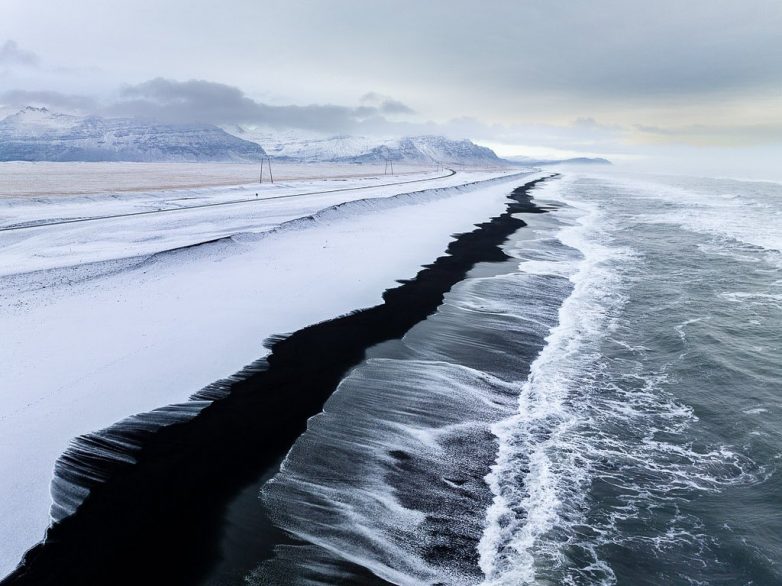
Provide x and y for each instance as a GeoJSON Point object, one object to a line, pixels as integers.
{"type": "Point", "coordinates": [159, 519]}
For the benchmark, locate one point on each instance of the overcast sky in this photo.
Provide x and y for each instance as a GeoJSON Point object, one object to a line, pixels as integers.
{"type": "Point", "coordinates": [586, 76]}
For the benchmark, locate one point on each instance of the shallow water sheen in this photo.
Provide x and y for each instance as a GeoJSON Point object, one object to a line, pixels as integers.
{"type": "Point", "coordinates": [602, 409]}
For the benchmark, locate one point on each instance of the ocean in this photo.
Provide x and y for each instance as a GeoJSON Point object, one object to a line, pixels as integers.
{"type": "Point", "coordinates": [583, 390]}
{"type": "Point", "coordinates": [602, 407]}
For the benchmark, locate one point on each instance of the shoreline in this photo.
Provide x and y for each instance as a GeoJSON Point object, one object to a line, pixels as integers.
{"type": "Point", "coordinates": [151, 333]}
{"type": "Point", "coordinates": [168, 507]}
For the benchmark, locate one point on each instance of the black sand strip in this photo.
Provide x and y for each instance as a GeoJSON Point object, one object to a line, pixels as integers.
{"type": "Point", "coordinates": [158, 520]}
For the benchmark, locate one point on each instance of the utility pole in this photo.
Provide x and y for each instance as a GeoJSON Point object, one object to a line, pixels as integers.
{"type": "Point", "coordinates": [269, 162]}
{"type": "Point", "coordinates": [389, 163]}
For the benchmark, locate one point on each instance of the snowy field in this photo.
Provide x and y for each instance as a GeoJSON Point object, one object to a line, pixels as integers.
{"type": "Point", "coordinates": [46, 178]}
{"type": "Point", "coordinates": [101, 319]}
{"type": "Point", "coordinates": [60, 231]}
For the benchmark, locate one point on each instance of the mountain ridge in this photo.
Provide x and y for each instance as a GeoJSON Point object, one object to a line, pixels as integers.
{"type": "Point", "coordinates": [522, 160]}
{"type": "Point", "coordinates": [342, 148]}
{"type": "Point", "coordinates": [38, 134]}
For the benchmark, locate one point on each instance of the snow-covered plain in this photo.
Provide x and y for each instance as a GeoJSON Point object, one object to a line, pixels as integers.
{"type": "Point", "coordinates": [44, 178]}
{"type": "Point", "coordinates": [109, 324]}
{"type": "Point", "coordinates": [40, 233]}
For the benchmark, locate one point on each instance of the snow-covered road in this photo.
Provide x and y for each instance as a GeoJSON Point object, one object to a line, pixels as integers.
{"type": "Point", "coordinates": [46, 233]}
{"type": "Point", "coordinates": [111, 325]}
{"type": "Point", "coordinates": [174, 205]}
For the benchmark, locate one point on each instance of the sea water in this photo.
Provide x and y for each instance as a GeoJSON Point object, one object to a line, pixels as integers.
{"type": "Point", "coordinates": [602, 408]}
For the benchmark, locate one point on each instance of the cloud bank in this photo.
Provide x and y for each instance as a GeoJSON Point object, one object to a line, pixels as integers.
{"type": "Point", "coordinates": [12, 54]}
{"type": "Point", "coordinates": [216, 103]}
{"type": "Point", "coordinates": [598, 77]}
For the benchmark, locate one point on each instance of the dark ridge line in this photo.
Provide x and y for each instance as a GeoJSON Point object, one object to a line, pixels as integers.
{"type": "Point", "coordinates": [158, 484]}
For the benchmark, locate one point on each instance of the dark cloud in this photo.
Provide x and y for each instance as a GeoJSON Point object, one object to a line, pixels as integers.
{"type": "Point", "coordinates": [217, 103]}
{"type": "Point", "coordinates": [12, 54]}
{"type": "Point", "coordinates": [199, 101]}
{"type": "Point", "coordinates": [624, 61]}
{"type": "Point", "coordinates": [50, 99]}
{"type": "Point", "coordinates": [385, 104]}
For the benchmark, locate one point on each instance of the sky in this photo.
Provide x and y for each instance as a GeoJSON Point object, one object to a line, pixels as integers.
{"type": "Point", "coordinates": [632, 80]}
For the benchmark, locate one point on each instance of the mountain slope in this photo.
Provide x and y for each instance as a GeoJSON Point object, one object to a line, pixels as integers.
{"type": "Point", "coordinates": [529, 161]}
{"type": "Point", "coordinates": [37, 134]}
{"type": "Point", "coordinates": [303, 147]}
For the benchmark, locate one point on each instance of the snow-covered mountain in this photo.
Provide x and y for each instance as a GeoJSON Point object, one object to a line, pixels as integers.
{"type": "Point", "coordinates": [532, 162]}
{"type": "Point", "coordinates": [37, 134]}
{"type": "Point", "coordinates": [298, 146]}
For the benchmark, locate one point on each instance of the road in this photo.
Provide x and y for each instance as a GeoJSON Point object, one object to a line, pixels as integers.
{"type": "Point", "coordinates": [70, 231]}
{"type": "Point", "coordinates": [31, 226]}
